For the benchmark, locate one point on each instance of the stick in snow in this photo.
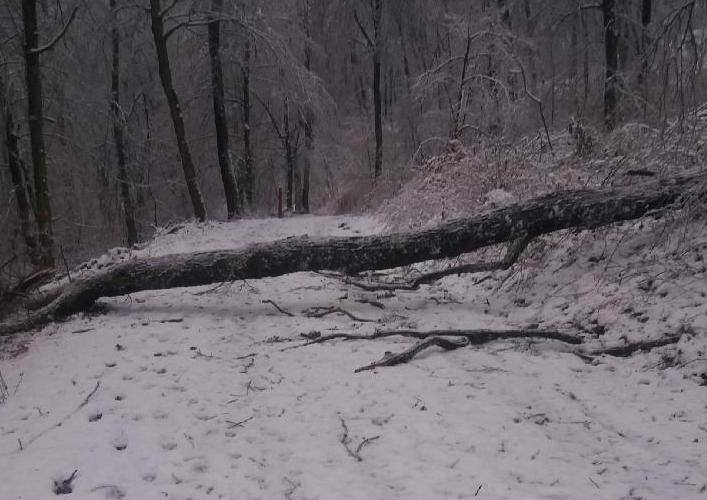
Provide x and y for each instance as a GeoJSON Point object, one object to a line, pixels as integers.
{"type": "Point", "coordinates": [320, 312]}
{"type": "Point", "coordinates": [474, 336]}
{"type": "Point", "coordinates": [403, 357]}
{"type": "Point", "coordinates": [283, 311]}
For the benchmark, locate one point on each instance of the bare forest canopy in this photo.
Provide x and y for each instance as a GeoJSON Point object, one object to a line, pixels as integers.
{"type": "Point", "coordinates": [118, 117]}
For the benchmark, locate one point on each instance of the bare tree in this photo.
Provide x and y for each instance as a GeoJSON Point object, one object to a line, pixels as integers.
{"type": "Point", "coordinates": [21, 187]}
{"type": "Point", "coordinates": [374, 41]}
{"type": "Point", "coordinates": [35, 114]}
{"type": "Point", "coordinates": [611, 53]}
{"type": "Point", "coordinates": [118, 133]}
{"type": "Point", "coordinates": [160, 39]}
{"type": "Point", "coordinates": [220, 120]}
{"type": "Point", "coordinates": [248, 161]}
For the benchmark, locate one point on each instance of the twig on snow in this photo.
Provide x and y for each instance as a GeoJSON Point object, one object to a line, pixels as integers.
{"type": "Point", "coordinates": [390, 359]}
{"type": "Point", "coordinates": [475, 336]}
{"type": "Point", "coordinates": [64, 486]}
{"type": "Point", "coordinates": [240, 423]}
{"type": "Point", "coordinates": [280, 309]}
{"type": "Point", "coordinates": [346, 441]}
{"type": "Point", "coordinates": [61, 422]}
{"type": "Point", "coordinates": [624, 351]}
{"type": "Point", "coordinates": [320, 312]}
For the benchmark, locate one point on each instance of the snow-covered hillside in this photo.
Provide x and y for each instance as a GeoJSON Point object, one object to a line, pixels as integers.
{"type": "Point", "coordinates": [203, 393]}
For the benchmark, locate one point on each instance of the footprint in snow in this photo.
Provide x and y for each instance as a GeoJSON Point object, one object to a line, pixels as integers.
{"type": "Point", "coordinates": [120, 442]}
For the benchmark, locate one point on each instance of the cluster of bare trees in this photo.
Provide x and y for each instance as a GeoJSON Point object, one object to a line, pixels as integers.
{"type": "Point", "coordinates": [119, 116]}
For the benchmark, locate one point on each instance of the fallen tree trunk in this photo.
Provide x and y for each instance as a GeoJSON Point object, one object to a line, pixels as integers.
{"type": "Point", "coordinates": [583, 209]}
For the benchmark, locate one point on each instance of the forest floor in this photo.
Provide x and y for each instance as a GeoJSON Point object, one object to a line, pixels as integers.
{"type": "Point", "coordinates": [200, 393]}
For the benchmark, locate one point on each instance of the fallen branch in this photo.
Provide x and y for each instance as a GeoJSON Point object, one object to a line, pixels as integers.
{"type": "Point", "coordinates": [345, 440]}
{"type": "Point", "coordinates": [390, 359]}
{"type": "Point", "coordinates": [626, 350]}
{"type": "Point", "coordinates": [581, 209]}
{"type": "Point", "coordinates": [283, 311]}
{"type": "Point", "coordinates": [473, 336]}
{"type": "Point", "coordinates": [63, 420]}
{"type": "Point", "coordinates": [320, 312]}
{"type": "Point", "coordinates": [513, 253]}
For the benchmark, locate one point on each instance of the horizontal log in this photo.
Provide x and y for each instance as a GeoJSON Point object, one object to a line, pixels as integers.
{"type": "Point", "coordinates": [581, 209]}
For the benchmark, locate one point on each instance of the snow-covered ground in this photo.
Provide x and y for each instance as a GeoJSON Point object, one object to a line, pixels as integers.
{"type": "Point", "coordinates": [196, 394]}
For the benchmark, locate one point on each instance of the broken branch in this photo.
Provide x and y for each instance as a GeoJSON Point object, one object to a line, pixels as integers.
{"type": "Point", "coordinates": [390, 359]}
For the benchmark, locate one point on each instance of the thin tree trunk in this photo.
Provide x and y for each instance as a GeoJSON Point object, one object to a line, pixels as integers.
{"type": "Point", "coordinates": [307, 114]}
{"type": "Point", "coordinates": [118, 136]}
{"type": "Point", "coordinates": [290, 157]}
{"type": "Point", "coordinates": [160, 39]}
{"type": "Point", "coordinates": [612, 62]}
{"type": "Point", "coordinates": [646, 14]}
{"type": "Point", "coordinates": [220, 121]}
{"type": "Point", "coordinates": [460, 115]}
{"type": "Point", "coordinates": [17, 174]}
{"type": "Point", "coordinates": [35, 112]}
{"type": "Point", "coordinates": [248, 179]}
{"type": "Point", "coordinates": [377, 105]}
{"type": "Point", "coordinates": [582, 209]}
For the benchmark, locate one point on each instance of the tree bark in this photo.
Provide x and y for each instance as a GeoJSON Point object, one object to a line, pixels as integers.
{"type": "Point", "coordinates": [583, 209]}
{"type": "Point", "coordinates": [35, 112]}
{"type": "Point", "coordinates": [118, 135]}
{"type": "Point", "coordinates": [247, 151]}
{"type": "Point", "coordinates": [290, 161]}
{"type": "Point", "coordinates": [160, 39]}
{"type": "Point", "coordinates": [646, 15]}
{"type": "Point", "coordinates": [308, 124]}
{"type": "Point", "coordinates": [17, 174]}
{"type": "Point", "coordinates": [611, 52]}
{"type": "Point", "coordinates": [220, 121]}
{"type": "Point", "coordinates": [307, 115]}
{"type": "Point", "coordinates": [377, 6]}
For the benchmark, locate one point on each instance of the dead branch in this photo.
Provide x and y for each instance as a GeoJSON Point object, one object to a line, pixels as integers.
{"type": "Point", "coordinates": [283, 311]}
{"type": "Point", "coordinates": [626, 350]}
{"type": "Point", "coordinates": [63, 420]}
{"type": "Point", "coordinates": [473, 336]}
{"type": "Point", "coordinates": [390, 359]}
{"type": "Point", "coordinates": [345, 440]}
{"type": "Point", "coordinates": [320, 312]}
{"type": "Point", "coordinates": [513, 253]}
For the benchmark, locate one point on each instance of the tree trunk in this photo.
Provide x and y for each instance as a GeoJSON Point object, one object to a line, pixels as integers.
{"type": "Point", "coordinates": [377, 105]}
{"type": "Point", "coordinates": [158, 34]}
{"type": "Point", "coordinates": [308, 124]}
{"type": "Point", "coordinates": [17, 174]}
{"type": "Point", "coordinates": [646, 14]}
{"type": "Point", "coordinates": [307, 114]}
{"type": "Point", "coordinates": [583, 209]}
{"type": "Point", "coordinates": [35, 112]}
{"type": "Point", "coordinates": [247, 153]}
{"type": "Point", "coordinates": [611, 52]}
{"type": "Point", "coordinates": [290, 158]}
{"type": "Point", "coordinates": [220, 121]}
{"type": "Point", "coordinates": [118, 136]}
